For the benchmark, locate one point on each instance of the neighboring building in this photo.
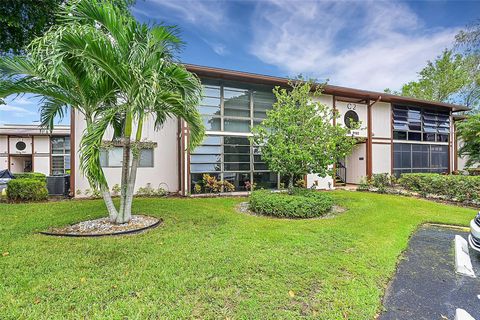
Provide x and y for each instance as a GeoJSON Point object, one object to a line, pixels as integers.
{"type": "Point", "coordinates": [27, 148]}
{"type": "Point", "coordinates": [398, 135]}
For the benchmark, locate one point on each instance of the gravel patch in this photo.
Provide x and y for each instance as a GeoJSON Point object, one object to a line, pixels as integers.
{"type": "Point", "coordinates": [103, 226]}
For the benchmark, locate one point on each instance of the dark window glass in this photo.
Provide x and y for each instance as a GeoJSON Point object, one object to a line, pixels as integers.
{"type": "Point", "coordinates": [265, 180]}
{"type": "Point", "coordinates": [399, 135]}
{"type": "Point", "coordinates": [419, 158]}
{"type": "Point", "coordinates": [442, 137]}
{"type": "Point", "coordinates": [237, 158]}
{"type": "Point", "coordinates": [260, 166]}
{"type": "Point", "coordinates": [415, 136]}
{"type": "Point", "coordinates": [236, 149]}
{"type": "Point", "coordinates": [238, 179]}
{"type": "Point", "coordinates": [236, 166]}
{"type": "Point", "coordinates": [237, 140]}
{"type": "Point", "coordinates": [235, 125]}
{"type": "Point", "coordinates": [429, 137]}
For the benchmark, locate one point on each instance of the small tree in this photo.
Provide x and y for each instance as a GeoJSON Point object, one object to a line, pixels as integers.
{"type": "Point", "coordinates": [298, 136]}
{"type": "Point", "coordinates": [469, 132]}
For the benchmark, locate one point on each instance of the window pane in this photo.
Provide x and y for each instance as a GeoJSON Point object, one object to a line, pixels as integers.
{"type": "Point", "coordinates": [236, 149]}
{"type": "Point", "coordinates": [115, 157]}
{"type": "Point", "coordinates": [429, 137]}
{"type": "Point", "coordinates": [207, 150]}
{"type": "Point", "coordinates": [205, 158]}
{"type": "Point", "coordinates": [237, 179]}
{"type": "Point", "coordinates": [104, 158]}
{"type": "Point", "coordinates": [265, 180]}
{"type": "Point", "coordinates": [58, 145]}
{"type": "Point", "coordinates": [212, 124]}
{"type": "Point", "coordinates": [416, 136]}
{"type": "Point", "coordinates": [211, 91]}
{"type": "Point", "coordinates": [237, 158]}
{"type": "Point", "coordinates": [236, 166]}
{"type": "Point", "coordinates": [206, 167]}
{"type": "Point", "coordinates": [237, 141]}
{"type": "Point", "coordinates": [58, 165]}
{"type": "Point", "coordinates": [209, 110]}
{"type": "Point", "coordinates": [442, 137]}
{"type": "Point", "coordinates": [233, 125]}
{"type": "Point", "coordinates": [260, 166]}
{"type": "Point", "coordinates": [212, 140]}
{"type": "Point", "coordinates": [236, 103]}
{"type": "Point", "coordinates": [399, 135]}
{"type": "Point", "coordinates": [146, 158]}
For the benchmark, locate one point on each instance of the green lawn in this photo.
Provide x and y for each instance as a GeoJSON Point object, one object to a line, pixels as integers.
{"type": "Point", "coordinates": [208, 261]}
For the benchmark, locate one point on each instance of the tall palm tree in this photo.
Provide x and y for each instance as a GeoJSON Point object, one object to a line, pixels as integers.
{"type": "Point", "coordinates": [60, 84]}
{"type": "Point", "coordinates": [150, 83]}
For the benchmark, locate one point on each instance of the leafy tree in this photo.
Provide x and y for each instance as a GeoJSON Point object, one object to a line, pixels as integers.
{"type": "Point", "coordinates": [23, 20]}
{"type": "Point", "coordinates": [469, 132]}
{"type": "Point", "coordinates": [444, 79]}
{"type": "Point", "coordinates": [298, 136]}
{"type": "Point", "coordinates": [467, 42]}
{"type": "Point", "coordinates": [146, 83]}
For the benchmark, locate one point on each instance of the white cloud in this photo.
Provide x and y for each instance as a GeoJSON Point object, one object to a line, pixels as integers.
{"type": "Point", "coordinates": [203, 13]}
{"type": "Point", "coordinates": [369, 45]}
{"type": "Point", "coordinates": [14, 109]}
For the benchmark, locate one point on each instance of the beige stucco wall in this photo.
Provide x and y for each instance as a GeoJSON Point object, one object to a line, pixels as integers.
{"type": "Point", "coordinates": [13, 142]}
{"type": "Point", "coordinates": [41, 144]}
{"type": "Point", "coordinates": [3, 145]}
{"type": "Point", "coordinates": [381, 120]}
{"type": "Point", "coordinates": [164, 173]}
{"type": "Point", "coordinates": [41, 163]}
{"type": "Point", "coordinates": [381, 158]}
{"type": "Point", "coordinates": [3, 162]}
{"type": "Point", "coordinates": [360, 109]}
{"type": "Point", "coordinates": [17, 163]}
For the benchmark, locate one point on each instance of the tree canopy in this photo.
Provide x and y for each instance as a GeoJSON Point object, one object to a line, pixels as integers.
{"type": "Point", "coordinates": [469, 132]}
{"type": "Point", "coordinates": [298, 136]}
{"type": "Point", "coordinates": [23, 20]}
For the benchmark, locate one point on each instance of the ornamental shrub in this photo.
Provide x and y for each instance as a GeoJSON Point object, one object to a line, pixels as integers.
{"type": "Point", "coordinates": [31, 175]}
{"type": "Point", "coordinates": [454, 187]}
{"type": "Point", "coordinates": [27, 190]}
{"type": "Point", "coordinates": [302, 203]}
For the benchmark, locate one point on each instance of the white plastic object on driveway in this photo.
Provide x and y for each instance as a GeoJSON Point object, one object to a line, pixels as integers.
{"type": "Point", "coordinates": [461, 314]}
{"type": "Point", "coordinates": [463, 264]}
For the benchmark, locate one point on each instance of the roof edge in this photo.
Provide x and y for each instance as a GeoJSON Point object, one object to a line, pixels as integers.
{"type": "Point", "coordinates": [329, 89]}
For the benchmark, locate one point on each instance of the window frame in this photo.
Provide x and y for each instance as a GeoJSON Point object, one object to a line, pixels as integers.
{"type": "Point", "coordinates": [119, 166]}
{"type": "Point", "coordinates": [64, 154]}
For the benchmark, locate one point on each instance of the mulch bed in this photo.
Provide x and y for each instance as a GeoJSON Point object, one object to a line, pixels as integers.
{"type": "Point", "coordinates": [103, 227]}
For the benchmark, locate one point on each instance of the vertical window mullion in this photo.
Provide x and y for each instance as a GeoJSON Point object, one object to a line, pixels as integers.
{"type": "Point", "coordinates": [222, 106]}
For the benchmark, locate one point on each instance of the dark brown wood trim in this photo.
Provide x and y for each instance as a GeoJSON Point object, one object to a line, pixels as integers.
{"type": "Point", "coordinates": [33, 153]}
{"type": "Point", "coordinates": [455, 148]}
{"type": "Point", "coordinates": [450, 158]}
{"type": "Point", "coordinates": [377, 138]}
{"type": "Point", "coordinates": [72, 153]}
{"type": "Point", "coordinates": [334, 108]}
{"type": "Point", "coordinates": [179, 155]}
{"type": "Point", "coordinates": [378, 142]}
{"type": "Point", "coordinates": [187, 187]}
{"type": "Point", "coordinates": [391, 139]}
{"type": "Point", "coordinates": [369, 140]}
{"type": "Point", "coordinates": [8, 152]}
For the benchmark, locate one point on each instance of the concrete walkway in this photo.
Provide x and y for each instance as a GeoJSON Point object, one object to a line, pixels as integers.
{"type": "Point", "coordinates": [426, 285]}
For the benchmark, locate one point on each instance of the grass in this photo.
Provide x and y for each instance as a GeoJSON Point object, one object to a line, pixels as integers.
{"type": "Point", "coordinates": [209, 261]}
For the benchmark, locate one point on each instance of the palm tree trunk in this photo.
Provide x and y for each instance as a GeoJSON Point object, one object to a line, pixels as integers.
{"type": "Point", "coordinates": [112, 211]}
{"type": "Point", "coordinates": [290, 184]}
{"type": "Point", "coordinates": [124, 182]}
{"type": "Point", "coordinates": [131, 185]}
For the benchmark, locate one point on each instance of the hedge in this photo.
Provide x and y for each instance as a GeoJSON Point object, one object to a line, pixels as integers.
{"type": "Point", "coordinates": [26, 190]}
{"type": "Point", "coordinates": [454, 187]}
{"type": "Point", "coordinates": [303, 203]}
{"type": "Point", "coordinates": [31, 175]}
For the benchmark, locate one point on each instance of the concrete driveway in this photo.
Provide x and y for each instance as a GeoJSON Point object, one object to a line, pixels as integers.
{"type": "Point", "coordinates": [426, 285]}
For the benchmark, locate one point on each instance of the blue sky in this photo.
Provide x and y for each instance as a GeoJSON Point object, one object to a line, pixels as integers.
{"type": "Point", "coordinates": [361, 44]}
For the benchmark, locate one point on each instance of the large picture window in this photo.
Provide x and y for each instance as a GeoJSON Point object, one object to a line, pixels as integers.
{"type": "Point", "coordinates": [233, 106]}
{"type": "Point", "coordinates": [231, 158]}
{"type": "Point", "coordinates": [414, 158]}
{"type": "Point", "coordinates": [416, 124]}
{"type": "Point", "coordinates": [60, 147]}
{"type": "Point", "coordinates": [113, 157]}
